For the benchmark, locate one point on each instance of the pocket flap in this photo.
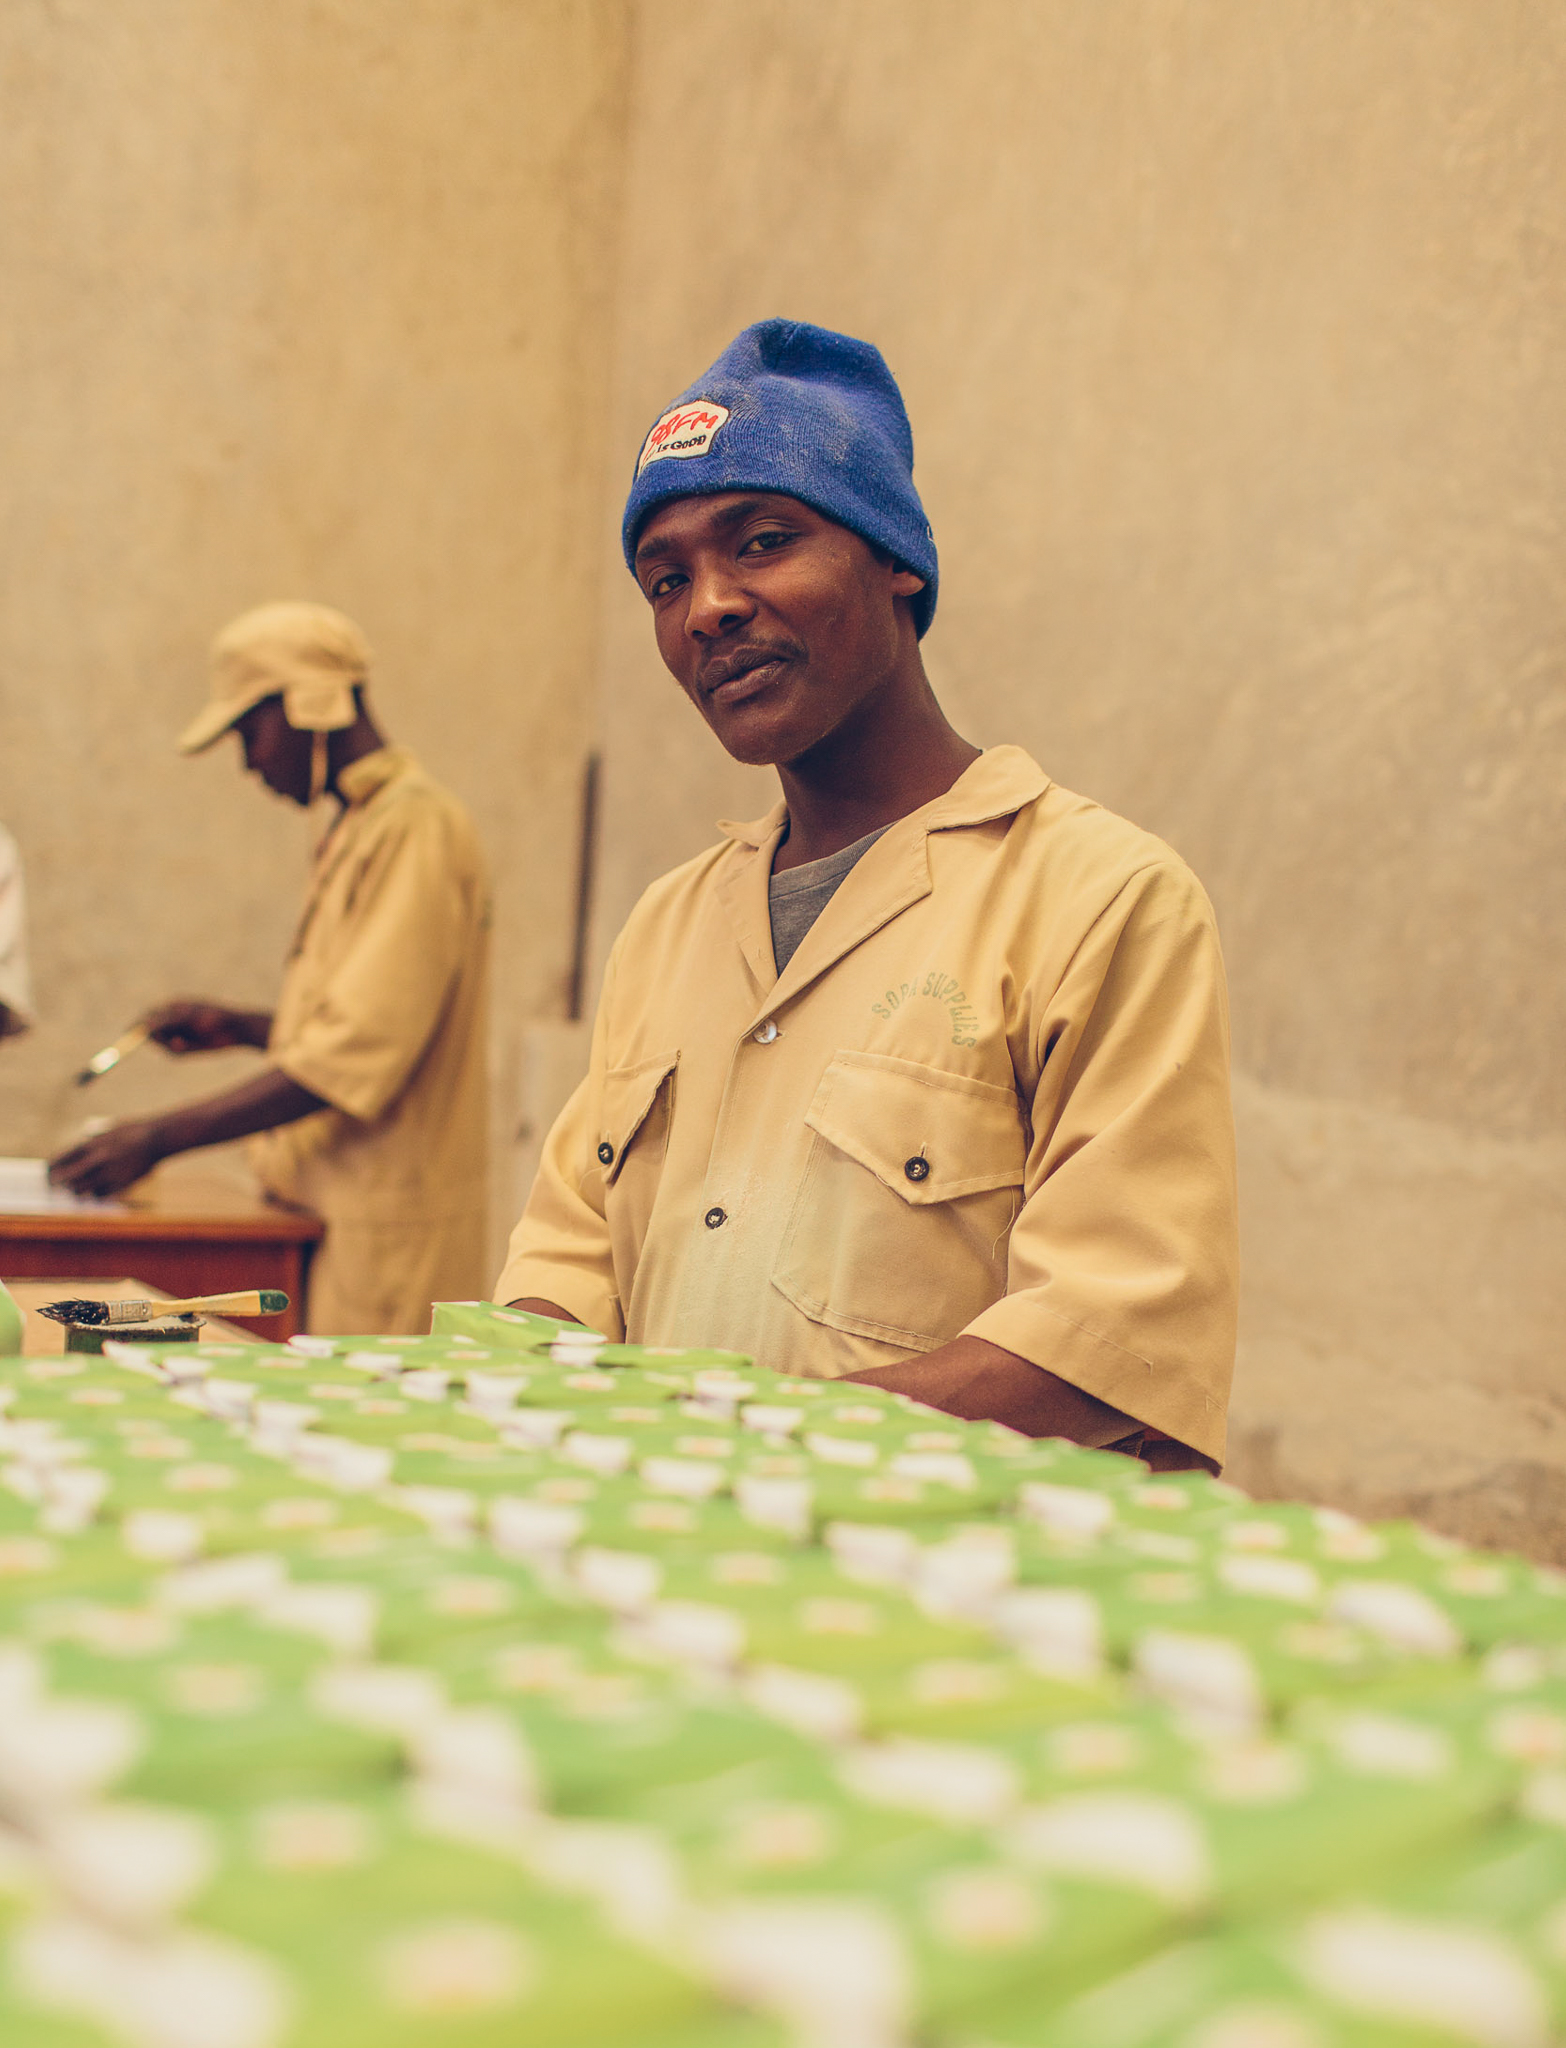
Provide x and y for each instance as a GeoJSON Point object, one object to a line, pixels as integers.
{"type": "Point", "coordinates": [629, 1093]}
{"type": "Point", "coordinates": [927, 1135]}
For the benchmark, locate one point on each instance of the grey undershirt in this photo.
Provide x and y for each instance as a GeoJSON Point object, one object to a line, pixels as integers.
{"type": "Point", "coordinates": [797, 897]}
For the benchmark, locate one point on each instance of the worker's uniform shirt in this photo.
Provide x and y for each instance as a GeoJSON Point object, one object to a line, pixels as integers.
{"type": "Point", "coordinates": [989, 1094]}
{"type": "Point", "coordinates": [383, 1013]}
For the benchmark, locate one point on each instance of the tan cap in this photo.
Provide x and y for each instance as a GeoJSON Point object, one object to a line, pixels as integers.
{"type": "Point", "coordinates": [308, 654]}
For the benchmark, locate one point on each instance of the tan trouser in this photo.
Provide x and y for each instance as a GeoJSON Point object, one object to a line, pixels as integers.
{"type": "Point", "coordinates": [379, 1279]}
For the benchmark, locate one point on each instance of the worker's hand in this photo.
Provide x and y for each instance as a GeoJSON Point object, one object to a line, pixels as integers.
{"type": "Point", "coordinates": [109, 1162]}
{"type": "Point", "coordinates": [191, 1025]}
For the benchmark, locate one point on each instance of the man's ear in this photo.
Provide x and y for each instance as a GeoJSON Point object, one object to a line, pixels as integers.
{"type": "Point", "coordinates": [905, 583]}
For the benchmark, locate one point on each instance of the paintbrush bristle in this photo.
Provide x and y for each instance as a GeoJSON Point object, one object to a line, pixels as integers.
{"type": "Point", "coordinates": [76, 1311]}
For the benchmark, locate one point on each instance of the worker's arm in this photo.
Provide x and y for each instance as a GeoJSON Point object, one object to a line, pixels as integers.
{"type": "Point", "coordinates": [193, 1025]}
{"type": "Point", "coordinates": [980, 1382]}
{"type": "Point", "coordinates": [111, 1161]}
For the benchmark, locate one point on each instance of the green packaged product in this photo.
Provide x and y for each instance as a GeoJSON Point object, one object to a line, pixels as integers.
{"type": "Point", "coordinates": [823, 1623]}
{"type": "Point", "coordinates": [1312, 1988]}
{"type": "Point", "coordinates": [505, 1329]}
{"type": "Point", "coordinates": [372, 1932]}
{"type": "Point", "coordinates": [1467, 1600]}
{"type": "Point", "coordinates": [63, 1387]}
{"type": "Point", "coordinates": [39, 1569]}
{"type": "Point", "coordinates": [428, 1595]}
{"type": "Point", "coordinates": [23, 2020]}
{"type": "Point", "coordinates": [222, 1705]}
{"type": "Point", "coordinates": [784, 1833]}
{"type": "Point", "coordinates": [1285, 1820]}
{"type": "Point", "coordinates": [676, 1526]}
{"type": "Point", "coordinates": [603, 1728]}
{"type": "Point", "coordinates": [1511, 1882]}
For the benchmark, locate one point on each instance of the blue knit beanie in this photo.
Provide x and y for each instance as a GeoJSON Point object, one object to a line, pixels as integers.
{"type": "Point", "coordinates": [794, 408]}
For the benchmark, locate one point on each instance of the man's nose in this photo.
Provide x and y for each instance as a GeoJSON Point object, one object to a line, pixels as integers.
{"type": "Point", "coordinates": [718, 602]}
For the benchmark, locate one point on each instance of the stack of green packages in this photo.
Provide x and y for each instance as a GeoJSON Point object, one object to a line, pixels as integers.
{"type": "Point", "coordinates": [507, 1686]}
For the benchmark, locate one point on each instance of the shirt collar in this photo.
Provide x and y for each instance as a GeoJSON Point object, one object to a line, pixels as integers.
{"type": "Point", "coordinates": [363, 778]}
{"type": "Point", "coordinates": [998, 784]}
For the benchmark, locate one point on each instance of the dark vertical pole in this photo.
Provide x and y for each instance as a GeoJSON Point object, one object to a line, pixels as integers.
{"type": "Point", "coordinates": [586, 858]}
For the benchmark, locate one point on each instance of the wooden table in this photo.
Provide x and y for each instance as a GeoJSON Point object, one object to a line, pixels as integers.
{"type": "Point", "coordinates": [185, 1236]}
{"type": "Point", "coordinates": [41, 1337]}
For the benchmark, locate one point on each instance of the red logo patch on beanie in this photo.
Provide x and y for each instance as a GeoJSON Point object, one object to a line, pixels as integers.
{"type": "Point", "coordinates": [684, 430]}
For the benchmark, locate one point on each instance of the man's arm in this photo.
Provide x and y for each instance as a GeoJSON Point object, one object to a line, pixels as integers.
{"type": "Point", "coordinates": [193, 1025]}
{"type": "Point", "coordinates": [111, 1161]}
{"type": "Point", "coordinates": [974, 1380]}
{"type": "Point", "coordinates": [982, 1383]}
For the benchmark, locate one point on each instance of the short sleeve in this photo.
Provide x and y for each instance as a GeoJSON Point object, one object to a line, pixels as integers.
{"type": "Point", "coordinates": [1123, 1262]}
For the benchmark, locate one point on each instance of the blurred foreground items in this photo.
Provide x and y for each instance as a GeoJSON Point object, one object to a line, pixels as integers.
{"type": "Point", "coordinates": [510, 1685]}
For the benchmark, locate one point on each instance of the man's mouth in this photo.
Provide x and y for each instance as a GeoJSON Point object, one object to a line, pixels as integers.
{"type": "Point", "coordinates": [740, 674]}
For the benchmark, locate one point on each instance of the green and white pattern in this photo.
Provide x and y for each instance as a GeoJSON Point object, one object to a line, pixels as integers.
{"type": "Point", "coordinates": [506, 1687]}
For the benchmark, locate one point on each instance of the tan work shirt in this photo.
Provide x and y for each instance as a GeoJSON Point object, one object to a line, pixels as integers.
{"type": "Point", "coordinates": [384, 1013]}
{"type": "Point", "coordinates": [989, 1094]}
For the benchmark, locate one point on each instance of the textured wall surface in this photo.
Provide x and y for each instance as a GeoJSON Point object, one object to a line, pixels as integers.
{"type": "Point", "coordinates": [1232, 338]}
{"type": "Point", "coordinates": [302, 300]}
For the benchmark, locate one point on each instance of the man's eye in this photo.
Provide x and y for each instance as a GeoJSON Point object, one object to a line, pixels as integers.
{"type": "Point", "coordinates": [662, 585]}
{"type": "Point", "coordinates": [764, 543]}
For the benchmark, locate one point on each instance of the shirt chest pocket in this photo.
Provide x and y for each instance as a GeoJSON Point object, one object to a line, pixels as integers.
{"type": "Point", "coordinates": [911, 1184]}
{"type": "Point", "coordinates": [633, 1136]}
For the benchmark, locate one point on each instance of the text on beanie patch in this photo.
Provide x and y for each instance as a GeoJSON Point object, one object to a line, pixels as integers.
{"type": "Point", "coordinates": [684, 430]}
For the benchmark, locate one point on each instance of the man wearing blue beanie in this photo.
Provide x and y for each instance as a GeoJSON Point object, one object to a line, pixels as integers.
{"type": "Point", "coordinates": [922, 1079]}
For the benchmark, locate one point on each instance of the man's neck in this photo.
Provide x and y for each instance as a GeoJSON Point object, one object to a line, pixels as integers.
{"type": "Point", "coordinates": [891, 757]}
{"type": "Point", "coordinates": [350, 745]}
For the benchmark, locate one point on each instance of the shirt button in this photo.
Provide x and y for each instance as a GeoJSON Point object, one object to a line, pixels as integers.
{"type": "Point", "coordinates": [765, 1033]}
{"type": "Point", "coordinates": [715, 1218]}
{"type": "Point", "coordinates": [917, 1169]}
{"type": "Point", "coordinates": [606, 1153]}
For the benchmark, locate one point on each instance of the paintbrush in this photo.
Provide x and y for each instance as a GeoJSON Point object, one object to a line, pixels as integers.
{"type": "Point", "coordinates": [264, 1301]}
{"type": "Point", "coordinates": [104, 1062]}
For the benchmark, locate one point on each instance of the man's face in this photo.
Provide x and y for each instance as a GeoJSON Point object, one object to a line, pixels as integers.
{"type": "Point", "coordinates": [777, 622]}
{"type": "Point", "coordinates": [275, 751]}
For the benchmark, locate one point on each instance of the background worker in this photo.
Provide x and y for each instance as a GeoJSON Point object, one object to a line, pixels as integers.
{"type": "Point", "coordinates": [922, 1079]}
{"type": "Point", "coordinates": [372, 1107]}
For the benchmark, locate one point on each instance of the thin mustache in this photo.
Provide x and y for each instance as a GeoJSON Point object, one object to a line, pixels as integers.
{"type": "Point", "coordinates": [739, 661]}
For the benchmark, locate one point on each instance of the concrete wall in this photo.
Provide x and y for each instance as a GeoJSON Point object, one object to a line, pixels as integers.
{"type": "Point", "coordinates": [306, 299]}
{"type": "Point", "coordinates": [1232, 339]}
